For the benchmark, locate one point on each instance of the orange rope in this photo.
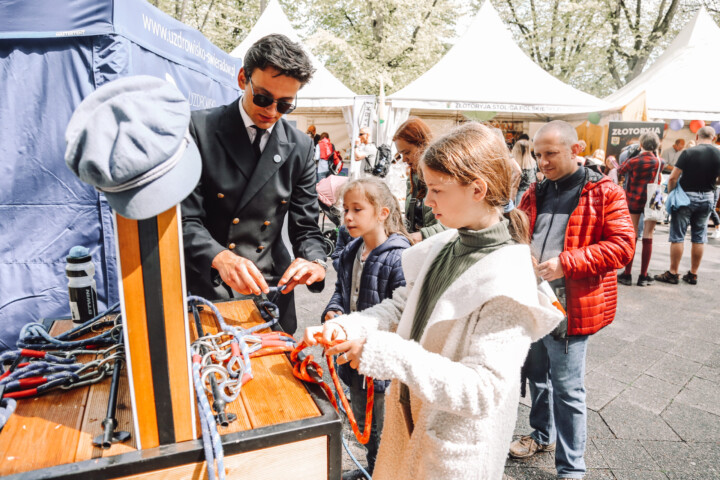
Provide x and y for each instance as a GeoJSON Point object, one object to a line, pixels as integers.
{"type": "Point", "coordinates": [300, 371]}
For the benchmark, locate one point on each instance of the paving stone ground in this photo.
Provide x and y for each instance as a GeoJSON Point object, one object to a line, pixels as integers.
{"type": "Point", "coordinates": [653, 379]}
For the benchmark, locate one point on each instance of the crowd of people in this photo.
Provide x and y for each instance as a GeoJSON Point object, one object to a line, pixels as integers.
{"type": "Point", "coordinates": [580, 227]}
{"type": "Point", "coordinates": [501, 262]}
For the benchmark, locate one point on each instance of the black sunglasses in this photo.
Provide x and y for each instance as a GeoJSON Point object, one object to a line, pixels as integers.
{"type": "Point", "coordinates": [265, 101]}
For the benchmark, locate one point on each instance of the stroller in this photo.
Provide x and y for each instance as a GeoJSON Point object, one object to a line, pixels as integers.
{"type": "Point", "coordinates": [327, 190]}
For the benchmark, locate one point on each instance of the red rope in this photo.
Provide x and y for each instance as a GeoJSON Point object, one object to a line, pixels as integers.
{"type": "Point", "coordinates": [300, 371]}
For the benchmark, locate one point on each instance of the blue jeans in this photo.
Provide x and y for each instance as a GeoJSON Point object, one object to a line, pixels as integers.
{"type": "Point", "coordinates": [696, 215]}
{"type": "Point", "coordinates": [557, 391]}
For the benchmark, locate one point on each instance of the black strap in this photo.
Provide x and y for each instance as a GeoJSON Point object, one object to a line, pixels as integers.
{"type": "Point", "coordinates": [259, 132]}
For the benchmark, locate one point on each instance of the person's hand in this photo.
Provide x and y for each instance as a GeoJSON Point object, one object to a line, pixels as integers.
{"type": "Point", "coordinates": [302, 272]}
{"type": "Point", "coordinates": [330, 331]}
{"type": "Point", "coordinates": [550, 269]}
{"type": "Point", "coordinates": [416, 237]}
{"type": "Point", "coordinates": [332, 314]}
{"type": "Point", "coordinates": [349, 351]}
{"type": "Point", "coordinates": [239, 273]}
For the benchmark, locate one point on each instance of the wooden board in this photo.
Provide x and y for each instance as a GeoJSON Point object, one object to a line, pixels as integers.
{"type": "Point", "coordinates": [261, 405]}
{"type": "Point", "coordinates": [303, 460]}
{"type": "Point", "coordinates": [94, 415]}
{"type": "Point", "coordinates": [58, 428]}
{"type": "Point", "coordinates": [49, 423]}
{"type": "Point", "coordinates": [155, 322]}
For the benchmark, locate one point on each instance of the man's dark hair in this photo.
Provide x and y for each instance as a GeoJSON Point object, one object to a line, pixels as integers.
{"type": "Point", "coordinates": [281, 53]}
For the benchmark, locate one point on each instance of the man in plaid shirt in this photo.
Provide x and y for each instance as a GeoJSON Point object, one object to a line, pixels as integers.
{"type": "Point", "coordinates": [640, 171]}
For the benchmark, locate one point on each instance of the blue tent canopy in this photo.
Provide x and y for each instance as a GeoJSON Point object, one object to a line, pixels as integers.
{"type": "Point", "coordinates": [53, 53]}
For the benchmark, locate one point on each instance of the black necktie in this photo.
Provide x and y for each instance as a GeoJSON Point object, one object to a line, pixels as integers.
{"type": "Point", "coordinates": [259, 132]}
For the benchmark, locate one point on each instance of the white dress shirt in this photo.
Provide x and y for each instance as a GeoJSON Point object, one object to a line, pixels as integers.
{"type": "Point", "coordinates": [251, 131]}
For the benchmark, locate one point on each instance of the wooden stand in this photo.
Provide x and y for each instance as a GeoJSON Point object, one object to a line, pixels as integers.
{"type": "Point", "coordinates": [156, 328]}
{"type": "Point", "coordinates": [285, 429]}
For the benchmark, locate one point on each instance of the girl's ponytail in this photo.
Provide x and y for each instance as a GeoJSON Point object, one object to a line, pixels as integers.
{"type": "Point", "coordinates": [519, 225]}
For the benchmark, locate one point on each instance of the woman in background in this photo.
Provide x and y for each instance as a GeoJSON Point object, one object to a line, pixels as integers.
{"type": "Point", "coordinates": [411, 140]}
{"type": "Point", "coordinates": [523, 157]}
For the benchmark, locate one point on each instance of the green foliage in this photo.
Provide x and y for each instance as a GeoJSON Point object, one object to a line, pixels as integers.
{"type": "Point", "coordinates": [363, 40]}
{"type": "Point", "coordinates": [594, 45]}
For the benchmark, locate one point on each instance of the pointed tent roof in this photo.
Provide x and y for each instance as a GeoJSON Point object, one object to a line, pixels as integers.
{"type": "Point", "coordinates": [671, 83]}
{"type": "Point", "coordinates": [486, 71]}
{"type": "Point", "coordinates": [324, 90]}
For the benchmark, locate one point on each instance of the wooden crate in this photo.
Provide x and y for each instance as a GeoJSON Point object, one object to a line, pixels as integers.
{"type": "Point", "coordinates": [284, 429]}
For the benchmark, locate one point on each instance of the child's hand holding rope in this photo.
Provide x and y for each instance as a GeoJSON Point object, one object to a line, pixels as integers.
{"type": "Point", "coordinates": [348, 351]}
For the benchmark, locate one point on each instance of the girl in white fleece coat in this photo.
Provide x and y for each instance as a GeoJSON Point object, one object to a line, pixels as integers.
{"type": "Point", "coordinates": [454, 338]}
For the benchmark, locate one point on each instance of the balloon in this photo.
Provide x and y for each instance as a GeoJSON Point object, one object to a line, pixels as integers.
{"type": "Point", "coordinates": [716, 127]}
{"type": "Point", "coordinates": [696, 125]}
{"type": "Point", "coordinates": [676, 124]}
{"type": "Point", "coordinates": [594, 118]}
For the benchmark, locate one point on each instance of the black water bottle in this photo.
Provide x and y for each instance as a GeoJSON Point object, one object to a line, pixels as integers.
{"type": "Point", "coordinates": [80, 273]}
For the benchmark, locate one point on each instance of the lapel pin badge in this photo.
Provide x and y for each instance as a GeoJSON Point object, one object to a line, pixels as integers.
{"type": "Point", "coordinates": [277, 158]}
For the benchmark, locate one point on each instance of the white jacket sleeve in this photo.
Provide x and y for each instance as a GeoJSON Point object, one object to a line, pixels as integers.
{"type": "Point", "coordinates": [383, 316]}
{"type": "Point", "coordinates": [475, 383]}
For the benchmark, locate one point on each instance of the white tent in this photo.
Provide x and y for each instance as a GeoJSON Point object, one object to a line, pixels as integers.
{"type": "Point", "coordinates": [324, 90]}
{"type": "Point", "coordinates": [486, 71]}
{"type": "Point", "coordinates": [680, 84]}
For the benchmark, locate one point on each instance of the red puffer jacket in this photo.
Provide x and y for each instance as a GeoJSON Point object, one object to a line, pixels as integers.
{"type": "Point", "coordinates": [599, 239]}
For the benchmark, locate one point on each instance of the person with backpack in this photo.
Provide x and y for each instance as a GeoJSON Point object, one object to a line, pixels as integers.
{"type": "Point", "coordinates": [323, 151]}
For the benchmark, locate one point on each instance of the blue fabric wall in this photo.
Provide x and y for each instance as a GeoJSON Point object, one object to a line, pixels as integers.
{"type": "Point", "coordinates": [44, 208]}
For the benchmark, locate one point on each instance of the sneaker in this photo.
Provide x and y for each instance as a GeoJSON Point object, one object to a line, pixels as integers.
{"type": "Point", "coordinates": [644, 280]}
{"type": "Point", "coordinates": [625, 278]}
{"type": "Point", "coordinates": [668, 277]}
{"type": "Point", "coordinates": [716, 235]}
{"type": "Point", "coordinates": [690, 278]}
{"type": "Point", "coordinates": [526, 446]}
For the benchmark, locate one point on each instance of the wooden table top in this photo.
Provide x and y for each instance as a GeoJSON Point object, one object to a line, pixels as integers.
{"type": "Point", "coordinates": [58, 428]}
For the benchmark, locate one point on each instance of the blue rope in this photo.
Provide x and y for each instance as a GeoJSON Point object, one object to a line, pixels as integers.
{"type": "Point", "coordinates": [80, 329]}
{"type": "Point", "coordinates": [7, 407]}
{"type": "Point", "coordinates": [40, 369]}
{"type": "Point", "coordinates": [35, 335]}
{"type": "Point", "coordinates": [12, 355]}
{"type": "Point", "coordinates": [210, 436]}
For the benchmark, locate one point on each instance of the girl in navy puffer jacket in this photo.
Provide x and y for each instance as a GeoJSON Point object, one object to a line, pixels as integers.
{"type": "Point", "coordinates": [368, 271]}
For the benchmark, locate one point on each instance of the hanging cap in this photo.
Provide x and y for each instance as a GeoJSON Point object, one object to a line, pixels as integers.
{"type": "Point", "coordinates": [130, 140]}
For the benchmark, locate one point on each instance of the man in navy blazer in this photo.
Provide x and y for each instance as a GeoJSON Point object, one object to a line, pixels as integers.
{"type": "Point", "coordinates": [257, 169]}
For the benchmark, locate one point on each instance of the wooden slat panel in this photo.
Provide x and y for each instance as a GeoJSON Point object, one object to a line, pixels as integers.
{"type": "Point", "coordinates": [173, 305]}
{"type": "Point", "coordinates": [135, 321]}
{"type": "Point", "coordinates": [43, 423]}
{"type": "Point", "coordinates": [94, 415]}
{"type": "Point", "coordinates": [46, 424]}
{"type": "Point", "coordinates": [303, 460]}
{"type": "Point", "coordinates": [278, 397]}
